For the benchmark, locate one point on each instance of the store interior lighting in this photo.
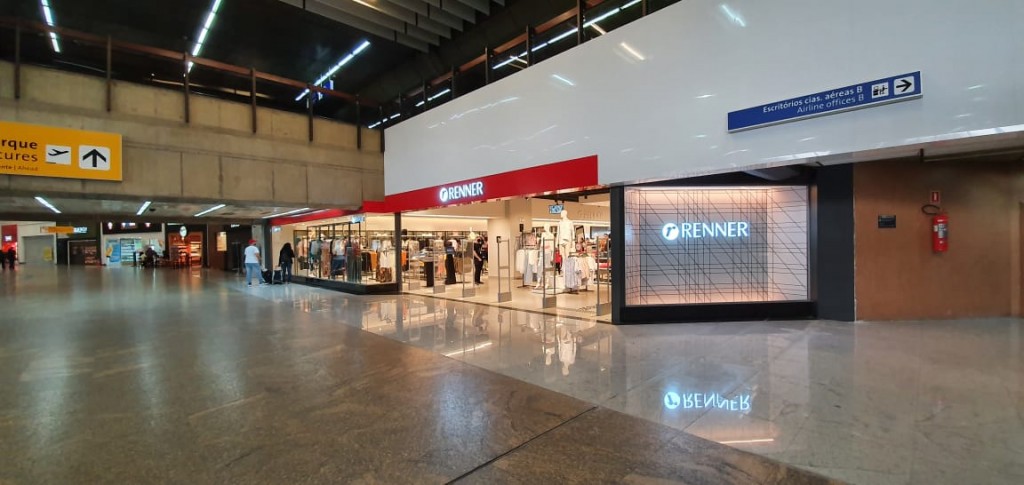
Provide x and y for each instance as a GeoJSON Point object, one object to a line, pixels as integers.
{"type": "Point", "coordinates": [205, 31]}
{"type": "Point", "coordinates": [48, 15]}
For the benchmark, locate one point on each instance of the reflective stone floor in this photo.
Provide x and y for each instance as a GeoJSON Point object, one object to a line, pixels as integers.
{"type": "Point", "coordinates": [130, 376]}
{"type": "Point", "coordinates": [172, 376]}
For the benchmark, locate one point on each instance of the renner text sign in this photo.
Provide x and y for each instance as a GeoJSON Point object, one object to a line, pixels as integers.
{"type": "Point", "coordinates": [44, 151]}
{"type": "Point", "coordinates": [871, 93]}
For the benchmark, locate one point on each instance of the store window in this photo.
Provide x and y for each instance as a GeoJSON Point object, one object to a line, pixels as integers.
{"type": "Point", "coordinates": [352, 249]}
{"type": "Point", "coordinates": [688, 245]}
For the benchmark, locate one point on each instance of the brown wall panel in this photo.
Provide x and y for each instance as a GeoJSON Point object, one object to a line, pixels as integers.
{"type": "Point", "coordinates": [898, 277]}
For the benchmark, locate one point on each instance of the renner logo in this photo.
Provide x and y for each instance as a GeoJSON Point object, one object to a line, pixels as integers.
{"type": "Point", "coordinates": [456, 192]}
{"type": "Point", "coordinates": [694, 230]}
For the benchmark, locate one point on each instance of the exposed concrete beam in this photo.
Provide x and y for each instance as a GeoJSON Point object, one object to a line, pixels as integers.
{"type": "Point", "coordinates": [422, 8]}
{"type": "Point", "coordinates": [482, 6]}
{"type": "Point", "coordinates": [314, 6]}
{"type": "Point", "coordinates": [381, 18]}
{"type": "Point", "coordinates": [455, 8]}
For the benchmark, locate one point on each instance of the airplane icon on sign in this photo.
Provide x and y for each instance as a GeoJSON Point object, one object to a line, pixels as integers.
{"type": "Point", "coordinates": [58, 154]}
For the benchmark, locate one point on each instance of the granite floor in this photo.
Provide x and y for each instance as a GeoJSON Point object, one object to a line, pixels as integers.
{"type": "Point", "coordinates": [182, 376]}
{"type": "Point", "coordinates": [939, 402]}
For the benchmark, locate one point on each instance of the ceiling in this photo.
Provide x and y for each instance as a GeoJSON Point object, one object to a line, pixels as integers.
{"type": "Point", "coordinates": [411, 41]}
{"type": "Point", "coordinates": [28, 209]}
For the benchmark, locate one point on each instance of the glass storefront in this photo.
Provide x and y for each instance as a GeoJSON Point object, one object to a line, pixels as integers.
{"type": "Point", "coordinates": [352, 249]}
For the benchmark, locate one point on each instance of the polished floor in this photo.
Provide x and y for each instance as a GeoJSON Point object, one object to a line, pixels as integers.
{"type": "Point", "coordinates": [179, 376]}
{"type": "Point", "coordinates": [939, 402]}
{"type": "Point", "coordinates": [133, 376]}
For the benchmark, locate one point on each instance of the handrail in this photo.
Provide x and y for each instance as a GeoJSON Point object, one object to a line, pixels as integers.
{"type": "Point", "coordinates": [519, 39]}
{"type": "Point", "coordinates": [183, 57]}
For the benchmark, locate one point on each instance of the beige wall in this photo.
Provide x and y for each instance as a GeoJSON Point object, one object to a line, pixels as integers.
{"type": "Point", "coordinates": [214, 158]}
{"type": "Point", "coordinates": [897, 274]}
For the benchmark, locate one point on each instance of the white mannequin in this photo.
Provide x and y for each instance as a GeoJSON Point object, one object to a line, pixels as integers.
{"type": "Point", "coordinates": [547, 244]}
{"type": "Point", "coordinates": [566, 235]}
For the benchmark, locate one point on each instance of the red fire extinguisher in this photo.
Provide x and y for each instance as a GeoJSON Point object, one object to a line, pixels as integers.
{"type": "Point", "coordinates": [940, 233]}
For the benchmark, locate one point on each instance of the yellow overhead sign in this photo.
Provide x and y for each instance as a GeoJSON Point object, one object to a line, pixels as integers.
{"type": "Point", "coordinates": [45, 151]}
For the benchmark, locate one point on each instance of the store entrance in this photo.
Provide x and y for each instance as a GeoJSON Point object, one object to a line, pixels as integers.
{"type": "Point", "coordinates": [548, 254]}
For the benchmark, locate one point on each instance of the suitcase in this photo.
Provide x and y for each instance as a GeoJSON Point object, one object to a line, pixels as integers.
{"type": "Point", "coordinates": [273, 276]}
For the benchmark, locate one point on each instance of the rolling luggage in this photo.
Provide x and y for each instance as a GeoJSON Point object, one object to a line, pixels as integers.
{"type": "Point", "coordinates": [273, 276]}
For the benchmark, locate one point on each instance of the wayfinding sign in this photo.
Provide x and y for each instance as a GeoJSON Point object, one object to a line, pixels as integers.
{"type": "Point", "coordinates": [856, 96]}
{"type": "Point", "coordinates": [46, 151]}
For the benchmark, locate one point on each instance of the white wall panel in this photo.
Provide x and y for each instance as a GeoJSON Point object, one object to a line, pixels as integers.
{"type": "Point", "coordinates": [665, 116]}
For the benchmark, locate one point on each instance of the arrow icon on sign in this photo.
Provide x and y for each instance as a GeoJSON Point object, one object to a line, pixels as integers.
{"type": "Point", "coordinates": [95, 155]}
{"type": "Point", "coordinates": [904, 85]}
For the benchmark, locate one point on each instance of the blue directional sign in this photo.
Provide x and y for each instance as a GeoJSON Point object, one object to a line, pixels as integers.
{"type": "Point", "coordinates": [863, 95]}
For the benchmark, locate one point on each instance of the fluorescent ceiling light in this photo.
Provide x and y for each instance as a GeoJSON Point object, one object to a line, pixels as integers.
{"type": "Point", "coordinates": [145, 205]}
{"type": "Point", "coordinates": [375, 125]}
{"type": "Point", "coordinates": [211, 209]}
{"type": "Point", "coordinates": [564, 80]}
{"type": "Point", "coordinates": [48, 16]}
{"type": "Point", "coordinates": [632, 51]}
{"type": "Point", "coordinates": [438, 95]}
{"type": "Point", "coordinates": [606, 15]}
{"type": "Point", "coordinates": [733, 16]}
{"type": "Point", "coordinates": [47, 204]}
{"type": "Point", "coordinates": [442, 216]}
{"type": "Point", "coordinates": [344, 60]}
{"type": "Point", "coordinates": [562, 36]}
{"type": "Point", "coordinates": [286, 213]}
{"type": "Point", "coordinates": [598, 29]}
{"type": "Point", "coordinates": [207, 25]}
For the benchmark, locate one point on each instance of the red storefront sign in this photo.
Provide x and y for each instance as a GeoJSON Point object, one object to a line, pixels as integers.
{"type": "Point", "coordinates": [567, 176]}
{"type": "Point", "coordinates": [570, 175]}
{"type": "Point", "coordinates": [8, 236]}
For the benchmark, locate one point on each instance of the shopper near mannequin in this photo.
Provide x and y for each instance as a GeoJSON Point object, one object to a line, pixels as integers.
{"type": "Point", "coordinates": [285, 259]}
{"type": "Point", "coordinates": [478, 260]}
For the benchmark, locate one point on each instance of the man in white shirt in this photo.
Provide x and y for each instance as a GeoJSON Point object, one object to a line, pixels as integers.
{"type": "Point", "coordinates": [253, 263]}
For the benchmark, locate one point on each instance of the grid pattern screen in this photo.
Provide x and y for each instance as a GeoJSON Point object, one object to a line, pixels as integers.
{"type": "Point", "coordinates": [716, 245]}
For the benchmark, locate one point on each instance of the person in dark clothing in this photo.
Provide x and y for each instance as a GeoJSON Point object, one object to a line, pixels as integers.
{"type": "Point", "coordinates": [12, 257]}
{"type": "Point", "coordinates": [286, 258]}
{"type": "Point", "coordinates": [478, 260]}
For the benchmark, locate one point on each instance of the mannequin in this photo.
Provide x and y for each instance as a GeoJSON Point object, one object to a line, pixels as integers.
{"type": "Point", "coordinates": [547, 245]}
{"type": "Point", "coordinates": [566, 235]}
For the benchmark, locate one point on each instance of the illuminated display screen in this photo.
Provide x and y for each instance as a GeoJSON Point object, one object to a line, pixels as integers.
{"type": "Point", "coordinates": [689, 245]}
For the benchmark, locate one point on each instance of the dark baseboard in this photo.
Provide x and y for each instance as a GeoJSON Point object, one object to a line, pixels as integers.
{"type": "Point", "coordinates": [346, 287]}
{"type": "Point", "coordinates": [717, 312]}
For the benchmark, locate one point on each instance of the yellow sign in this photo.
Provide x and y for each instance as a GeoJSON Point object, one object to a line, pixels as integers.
{"type": "Point", "coordinates": [59, 229]}
{"type": "Point", "coordinates": [45, 151]}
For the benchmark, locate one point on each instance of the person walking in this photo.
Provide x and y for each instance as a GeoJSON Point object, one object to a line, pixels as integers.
{"type": "Point", "coordinates": [286, 258]}
{"type": "Point", "coordinates": [12, 257]}
{"type": "Point", "coordinates": [478, 260]}
{"type": "Point", "coordinates": [253, 263]}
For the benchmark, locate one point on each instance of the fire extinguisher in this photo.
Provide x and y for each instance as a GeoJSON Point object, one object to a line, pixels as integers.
{"type": "Point", "coordinates": [940, 233]}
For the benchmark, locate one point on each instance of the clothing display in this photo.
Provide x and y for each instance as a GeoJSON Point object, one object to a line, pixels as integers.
{"type": "Point", "coordinates": [566, 234]}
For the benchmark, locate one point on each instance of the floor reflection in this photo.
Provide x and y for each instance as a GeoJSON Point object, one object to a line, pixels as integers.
{"type": "Point", "coordinates": [860, 402]}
